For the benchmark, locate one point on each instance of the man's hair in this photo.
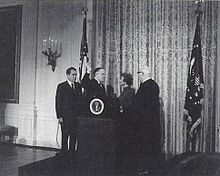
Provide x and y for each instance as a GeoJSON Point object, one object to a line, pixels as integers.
{"type": "Point", "coordinates": [96, 70]}
{"type": "Point", "coordinates": [127, 78]}
{"type": "Point", "coordinates": [69, 70]}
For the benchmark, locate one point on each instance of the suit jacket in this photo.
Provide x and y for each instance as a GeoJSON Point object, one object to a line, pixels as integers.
{"type": "Point", "coordinates": [93, 88]}
{"type": "Point", "coordinates": [68, 101]}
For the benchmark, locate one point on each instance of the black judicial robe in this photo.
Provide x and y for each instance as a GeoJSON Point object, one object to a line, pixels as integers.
{"type": "Point", "coordinates": [147, 108]}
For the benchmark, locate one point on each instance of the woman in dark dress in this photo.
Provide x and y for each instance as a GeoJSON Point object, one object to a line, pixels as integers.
{"type": "Point", "coordinates": [125, 123]}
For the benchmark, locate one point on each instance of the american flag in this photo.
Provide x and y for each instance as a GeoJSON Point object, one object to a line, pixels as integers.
{"type": "Point", "coordinates": [195, 83]}
{"type": "Point", "coordinates": [83, 51]}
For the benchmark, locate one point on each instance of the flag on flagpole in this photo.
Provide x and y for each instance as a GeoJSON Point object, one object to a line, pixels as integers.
{"type": "Point", "coordinates": [195, 83]}
{"type": "Point", "coordinates": [83, 50]}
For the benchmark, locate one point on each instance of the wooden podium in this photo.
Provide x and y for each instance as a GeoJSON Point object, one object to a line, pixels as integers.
{"type": "Point", "coordinates": [96, 145]}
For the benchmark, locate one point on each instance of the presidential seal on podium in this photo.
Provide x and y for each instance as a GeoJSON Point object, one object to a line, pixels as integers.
{"type": "Point", "coordinates": [96, 106]}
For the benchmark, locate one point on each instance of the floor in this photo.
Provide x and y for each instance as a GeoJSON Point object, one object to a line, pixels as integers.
{"type": "Point", "coordinates": [18, 160]}
{"type": "Point", "coordinates": [14, 156]}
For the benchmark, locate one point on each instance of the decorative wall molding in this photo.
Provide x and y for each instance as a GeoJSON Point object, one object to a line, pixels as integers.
{"type": "Point", "coordinates": [25, 131]}
{"type": "Point", "coordinates": [47, 131]}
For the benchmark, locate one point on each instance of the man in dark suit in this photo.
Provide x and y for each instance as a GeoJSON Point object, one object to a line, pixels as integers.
{"type": "Point", "coordinates": [68, 107]}
{"type": "Point", "coordinates": [147, 107]}
{"type": "Point", "coordinates": [94, 87]}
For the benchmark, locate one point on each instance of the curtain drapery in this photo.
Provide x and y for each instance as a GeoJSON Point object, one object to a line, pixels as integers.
{"type": "Point", "coordinates": [131, 33]}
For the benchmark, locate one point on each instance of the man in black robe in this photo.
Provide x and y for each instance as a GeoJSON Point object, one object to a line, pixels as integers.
{"type": "Point", "coordinates": [147, 107]}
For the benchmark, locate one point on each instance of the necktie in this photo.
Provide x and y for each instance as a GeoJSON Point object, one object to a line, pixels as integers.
{"type": "Point", "coordinates": [72, 85]}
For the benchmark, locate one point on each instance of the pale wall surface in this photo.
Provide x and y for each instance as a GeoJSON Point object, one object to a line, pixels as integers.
{"type": "Point", "coordinates": [34, 115]}
{"type": "Point", "coordinates": [62, 20]}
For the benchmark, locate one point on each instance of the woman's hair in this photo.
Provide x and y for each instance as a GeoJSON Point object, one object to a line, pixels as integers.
{"type": "Point", "coordinates": [127, 78]}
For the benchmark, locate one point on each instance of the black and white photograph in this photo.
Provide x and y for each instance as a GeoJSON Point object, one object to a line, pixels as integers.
{"type": "Point", "coordinates": [109, 87]}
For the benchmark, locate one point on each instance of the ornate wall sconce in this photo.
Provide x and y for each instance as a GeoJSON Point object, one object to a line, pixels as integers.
{"type": "Point", "coordinates": [50, 50]}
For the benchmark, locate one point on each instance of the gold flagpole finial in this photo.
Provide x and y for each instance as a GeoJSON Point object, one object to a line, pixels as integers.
{"type": "Point", "coordinates": [199, 1]}
{"type": "Point", "coordinates": [199, 4]}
